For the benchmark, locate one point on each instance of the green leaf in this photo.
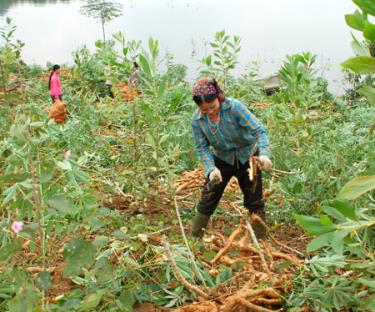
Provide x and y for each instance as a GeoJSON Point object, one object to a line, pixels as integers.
{"type": "Point", "coordinates": [238, 265]}
{"type": "Point", "coordinates": [368, 92]}
{"type": "Point", "coordinates": [10, 193]}
{"type": "Point", "coordinates": [64, 165]}
{"type": "Point", "coordinates": [161, 88]}
{"type": "Point", "coordinates": [100, 241]}
{"type": "Point", "coordinates": [337, 242]}
{"type": "Point", "coordinates": [45, 177]}
{"type": "Point", "coordinates": [208, 60]}
{"type": "Point", "coordinates": [145, 66]}
{"type": "Point", "coordinates": [81, 176]}
{"type": "Point", "coordinates": [224, 276]}
{"type": "Point", "coordinates": [369, 31]}
{"type": "Point", "coordinates": [60, 203]}
{"type": "Point", "coordinates": [366, 5]}
{"type": "Point", "coordinates": [313, 225]}
{"type": "Point", "coordinates": [25, 299]}
{"type": "Point", "coordinates": [370, 303]}
{"type": "Point", "coordinates": [78, 255]}
{"type": "Point", "coordinates": [91, 301]}
{"type": "Point", "coordinates": [333, 212]}
{"type": "Point", "coordinates": [359, 48]}
{"type": "Point", "coordinates": [10, 249]}
{"type": "Point", "coordinates": [209, 255]}
{"type": "Point", "coordinates": [103, 271]}
{"type": "Point", "coordinates": [126, 300]}
{"type": "Point", "coordinates": [345, 209]}
{"type": "Point", "coordinates": [119, 234]}
{"type": "Point", "coordinates": [356, 187]}
{"type": "Point", "coordinates": [355, 20]}
{"type": "Point", "coordinates": [319, 242]}
{"type": "Point", "coordinates": [14, 177]}
{"type": "Point", "coordinates": [44, 281]}
{"type": "Point", "coordinates": [322, 264]}
{"type": "Point", "coordinates": [360, 64]}
{"type": "Point", "coordinates": [325, 220]}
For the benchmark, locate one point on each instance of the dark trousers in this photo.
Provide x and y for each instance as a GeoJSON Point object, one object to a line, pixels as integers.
{"type": "Point", "coordinates": [253, 194]}
{"type": "Point", "coordinates": [53, 98]}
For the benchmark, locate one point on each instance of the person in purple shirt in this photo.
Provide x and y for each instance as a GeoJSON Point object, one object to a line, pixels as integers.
{"type": "Point", "coordinates": [54, 84]}
{"type": "Point", "coordinates": [234, 134]}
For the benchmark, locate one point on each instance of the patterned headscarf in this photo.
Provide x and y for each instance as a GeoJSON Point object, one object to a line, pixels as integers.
{"type": "Point", "coordinates": [204, 86]}
{"type": "Point", "coordinates": [207, 86]}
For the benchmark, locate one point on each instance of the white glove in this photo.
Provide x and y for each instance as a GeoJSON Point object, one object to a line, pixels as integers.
{"type": "Point", "coordinates": [265, 163]}
{"type": "Point", "coordinates": [215, 175]}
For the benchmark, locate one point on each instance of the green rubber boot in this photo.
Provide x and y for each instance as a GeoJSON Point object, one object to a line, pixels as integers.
{"type": "Point", "coordinates": [200, 221]}
{"type": "Point", "coordinates": [259, 226]}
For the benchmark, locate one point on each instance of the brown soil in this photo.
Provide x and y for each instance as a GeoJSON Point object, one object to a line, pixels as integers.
{"type": "Point", "coordinates": [54, 264]}
{"type": "Point", "coordinates": [161, 203]}
{"type": "Point", "coordinates": [61, 285]}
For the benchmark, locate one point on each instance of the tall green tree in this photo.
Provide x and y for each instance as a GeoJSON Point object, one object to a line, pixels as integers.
{"type": "Point", "coordinates": [102, 10]}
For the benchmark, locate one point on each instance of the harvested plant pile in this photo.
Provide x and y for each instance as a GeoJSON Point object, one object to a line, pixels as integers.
{"type": "Point", "coordinates": [262, 274]}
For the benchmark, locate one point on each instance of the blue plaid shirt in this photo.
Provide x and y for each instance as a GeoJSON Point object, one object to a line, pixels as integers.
{"type": "Point", "coordinates": [237, 137]}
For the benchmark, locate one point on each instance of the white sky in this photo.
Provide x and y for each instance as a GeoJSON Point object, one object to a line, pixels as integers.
{"type": "Point", "coordinates": [269, 29]}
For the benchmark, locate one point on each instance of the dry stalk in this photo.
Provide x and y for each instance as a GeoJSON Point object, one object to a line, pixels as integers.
{"type": "Point", "coordinates": [282, 171]}
{"type": "Point", "coordinates": [38, 207]}
{"type": "Point", "coordinates": [191, 256]}
{"type": "Point", "coordinates": [258, 219]}
{"type": "Point", "coordinates": [255, 242]}
{"type": "Point", "coordinates": [177, 272]}
{"type": "Point", "coordinates": [184, 196]}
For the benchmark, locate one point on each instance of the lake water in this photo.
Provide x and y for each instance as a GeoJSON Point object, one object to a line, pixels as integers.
{"type": "Point", "coordinates": [269, 29]}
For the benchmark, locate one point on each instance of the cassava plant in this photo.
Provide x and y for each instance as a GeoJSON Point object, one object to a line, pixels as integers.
{"type": "Point", "coordinates": [345, 230]}
{"type": "Point", "coordinates": [224, 57]}
{"type": "Point", "coordinates": [10, 55]}
{"type": "Point", "coordinates": [364, 61]}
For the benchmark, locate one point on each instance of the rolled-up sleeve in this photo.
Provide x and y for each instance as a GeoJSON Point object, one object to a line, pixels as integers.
{"type": "Point", "coordinates": [247, 120]}
{"type": "Point", "coordinates": [201, 146]}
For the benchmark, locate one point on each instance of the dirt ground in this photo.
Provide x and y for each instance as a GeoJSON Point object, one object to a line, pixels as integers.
{"type": "Point", "coordinates": [161, 203]}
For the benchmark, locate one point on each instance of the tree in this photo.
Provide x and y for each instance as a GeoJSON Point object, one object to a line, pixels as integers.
{"type": "Point", "coordinates": [103, 10]}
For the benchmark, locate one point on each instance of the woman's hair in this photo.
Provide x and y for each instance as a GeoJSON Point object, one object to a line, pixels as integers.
{"type": "Point", "coordinates": [208, 98]}
{"type": "Point", "coordinates": [54, 68]}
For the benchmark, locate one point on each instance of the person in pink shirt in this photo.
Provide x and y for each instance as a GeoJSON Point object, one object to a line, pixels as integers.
{"type": "Point", "coordinates": [54, 84]}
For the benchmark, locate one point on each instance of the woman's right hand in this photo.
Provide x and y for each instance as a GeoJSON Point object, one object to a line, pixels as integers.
{"type": "Point", "coordinates": [215, 175]}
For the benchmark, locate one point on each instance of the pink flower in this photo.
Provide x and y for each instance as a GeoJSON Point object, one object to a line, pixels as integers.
{"type": "Point", "coordinates": [17, 226]}
{"type": "Point", "coordinates": [68, 154]}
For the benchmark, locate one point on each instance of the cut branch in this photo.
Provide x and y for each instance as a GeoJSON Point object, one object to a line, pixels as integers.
{"type": "Point", "coordinates": [178, 274]}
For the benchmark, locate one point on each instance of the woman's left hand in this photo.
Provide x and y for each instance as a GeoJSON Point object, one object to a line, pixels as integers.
{"type": "Point", "coordinates": [265, 163]}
